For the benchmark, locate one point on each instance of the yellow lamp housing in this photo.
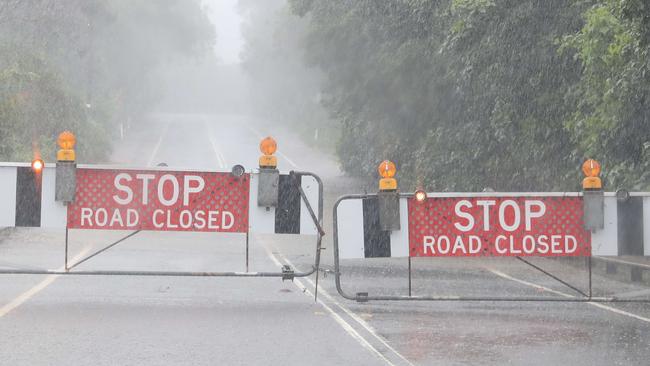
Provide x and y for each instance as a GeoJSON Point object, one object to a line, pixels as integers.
{"type": "Point", "coordinates": [66, 142]}
{"type": "Point", "coordinates": [591, 170]}
{"type": "Point", "coordinates": [268, 147]}
{"type": "Point", "coordinates": [268, 161]}
{"type": "Point", "coordinates": [387, 171]}
{"type": "Point", "coordinates": [65, 155]}
{"type": "Point", "coordinates": [592, 184]}
{"type": "Point", "coordinates": [387, 184]}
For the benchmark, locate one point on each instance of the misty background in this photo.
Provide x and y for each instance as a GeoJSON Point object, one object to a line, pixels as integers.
{"type": "Point", "coordinates": [461, 94]}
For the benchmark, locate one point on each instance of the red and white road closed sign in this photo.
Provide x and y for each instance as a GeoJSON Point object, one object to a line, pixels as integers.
{"type": "Point", "coordinates": [497, 226]}
{"type": "Point", "coordinates": [160, 200]}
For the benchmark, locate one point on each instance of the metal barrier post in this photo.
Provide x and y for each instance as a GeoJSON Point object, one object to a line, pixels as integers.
{"type": "Point", "coordinates": [66, 249]}
{"type": "Point", "coordinates": [409, 258]}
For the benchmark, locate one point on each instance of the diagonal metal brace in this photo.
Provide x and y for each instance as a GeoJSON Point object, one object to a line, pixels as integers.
{"type": "Point", "coordinates": [574, 288]}
{"type": "Point", "coordinates": [99, 251]}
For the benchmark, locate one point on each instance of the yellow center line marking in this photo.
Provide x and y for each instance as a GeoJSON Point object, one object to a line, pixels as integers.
{"type": "Point", "coordinates": [38, 288]}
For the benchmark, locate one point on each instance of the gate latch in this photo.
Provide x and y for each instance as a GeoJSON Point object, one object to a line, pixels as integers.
{"type": "Point", "coordinates": [287, 273]}
{"type": "Point", "coordinates": [362, 297]}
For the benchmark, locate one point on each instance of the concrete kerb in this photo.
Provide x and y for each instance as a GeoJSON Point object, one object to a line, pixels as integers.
{"type": "Point", "coordinates": [613, 268]}
{"type": "Point", "coordinates": [621, 270]}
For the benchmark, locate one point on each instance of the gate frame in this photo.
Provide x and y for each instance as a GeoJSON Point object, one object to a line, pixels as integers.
{"type": "Point", "coordinates": [365, 297]}
{"type": "Point", "coordinates": [286, 272]}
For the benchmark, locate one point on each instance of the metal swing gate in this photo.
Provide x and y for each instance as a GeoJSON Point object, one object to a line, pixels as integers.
{"type": "Point", "coordinates": [520, 225]}
{"type": "Point", "coordinates": [162, 199]}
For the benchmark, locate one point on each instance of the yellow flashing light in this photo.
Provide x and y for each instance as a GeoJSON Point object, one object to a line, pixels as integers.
{"type": "Point", "coordinates": [38, 165]}
{"type": "Point", "coordinates": [420, 195]}
{"type": "Point", "coordinates": [268, 147]}
{"type": "Point", "coordinates": [387, 171]}
{"type": "Point", "coordinates": [66, 142]}
{"type": "Point", "coordinates": [591, 170]}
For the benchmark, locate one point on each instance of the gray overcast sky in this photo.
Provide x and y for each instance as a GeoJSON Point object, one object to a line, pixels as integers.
{"type": "Point", "coordinates": [227, 21]}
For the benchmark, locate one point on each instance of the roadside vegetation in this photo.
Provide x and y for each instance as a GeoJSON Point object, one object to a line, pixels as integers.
{"type": "Point", "coordinates": [461, 94]}
{"type": "Point", "coordinates": [90, 66]}
{"type": "Point", "coordinates": [465, 94]}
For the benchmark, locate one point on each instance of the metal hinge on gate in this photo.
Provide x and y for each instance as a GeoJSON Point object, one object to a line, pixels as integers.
{"type": "Point", "coordinates": [287, 273]}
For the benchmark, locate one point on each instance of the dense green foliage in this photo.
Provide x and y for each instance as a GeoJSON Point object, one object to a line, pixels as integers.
{"type": "Point", "coordinates": [87, 66]}
{"type": "Point", "coordinates": [611, 115]}
{"type": "Point", "coordinates": [469, 94]}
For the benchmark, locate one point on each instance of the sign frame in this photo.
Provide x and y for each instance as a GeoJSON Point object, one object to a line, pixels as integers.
{"type": "Point", "coordinates": [159, 200]}
{"type": "Point", "coordinates": [584, 296]}
{"type": "Point", "coordinates": [58, 210]}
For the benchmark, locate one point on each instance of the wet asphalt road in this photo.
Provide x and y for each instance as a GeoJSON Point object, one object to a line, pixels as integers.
{"type": "Point", "coordinates": [47, 320]}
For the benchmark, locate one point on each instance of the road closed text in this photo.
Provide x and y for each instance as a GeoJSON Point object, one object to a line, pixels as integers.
{"type": "Point", "coordinates": [500, 226]}
{"type": "Point", "coordinates": [161, 219]}
{"type": "Point", "coordinates": [503, 244]}
{"type": "Point", "coordinates": [153, 200]}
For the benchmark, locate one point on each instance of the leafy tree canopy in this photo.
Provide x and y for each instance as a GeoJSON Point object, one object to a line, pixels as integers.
{"type": "Point", "coordinates": [86, 65]}
{"type": "Point", "coordinates": [470, 94]}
